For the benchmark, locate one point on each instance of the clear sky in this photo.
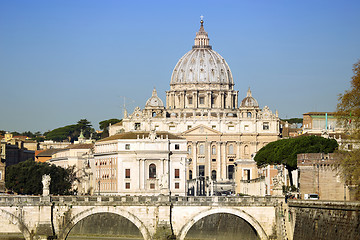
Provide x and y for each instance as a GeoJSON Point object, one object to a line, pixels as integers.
{"type": "Point", "coordinates": [61, 61]}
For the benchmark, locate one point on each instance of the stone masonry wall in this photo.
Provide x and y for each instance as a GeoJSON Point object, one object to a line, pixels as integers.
{"type": "Point", "coordinates": [326, 220]}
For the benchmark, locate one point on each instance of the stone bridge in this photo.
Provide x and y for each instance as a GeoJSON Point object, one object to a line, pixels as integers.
{"type": "Point", "coordinates": [53, 217]}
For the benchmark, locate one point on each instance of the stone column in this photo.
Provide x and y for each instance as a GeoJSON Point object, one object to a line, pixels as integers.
{"type": "Point", "coordinates": [222, 100]}
{"type": "Point", "coordinates": [194, 161]}
{"type": "Point", "coordinates": [143, 174]}
{"type": "Point", "coordinates": [173, 100]}
{"type": "Point", "coordinates": [207, 159]}
{"type": "Point", "coordinates": [167, 100]}
{"type": "Point", "coordinates": [223, 161]}
{"type": "Point", "coordinates": [209, 99]}
{"type": "Point", "coordinates": [140, 172]}
{"type": "Point", "coordinates": [218, 161]}
{"type": "Point", "coordinates": [236, 99]}
{"type": "Point", "coordinates": [238, 144]}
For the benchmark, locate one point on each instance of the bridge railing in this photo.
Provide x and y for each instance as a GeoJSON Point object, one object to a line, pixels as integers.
{"type": "Point", "coordinates": [135, 200]}
{"type": "Point", "coordinates": [18, 199]}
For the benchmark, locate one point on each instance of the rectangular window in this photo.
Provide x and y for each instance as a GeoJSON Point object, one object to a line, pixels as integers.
{"type": "Point", "coordinates": [137, 126]}
{"type": "Point", "coordinates": [265, 126]}
{"type": "Point", "coordinates": [201, 170]}
{"type": "Point", "coordinates": [231, 128]}
{"type": "Point", "coordinates": [127, 185]}
{"type": "Point", "coordinates": [127, 173]}
{"type": "Point", "coordinates": [190, 100]}
{"type": "Point", "coordinates": [177, 173]}
{"type": "Point", "coordinates": [231, 170]}
{"type": "Point", "coordinates": [152, 185]}
{"type": "Point", "coordinates": [177, 185]}
{"type": "Point", "coordinates": [189, 127]}
{"type": "Point", "coordinates": [172, 128]}
{"type": "Point", "coordinates": [214, 159]}
{"type": "Point", "coordinates": [157, 127]}
{"type": "Point", "coordinates": [201, 100]}
{"type": "Point", "coordinates": [177, 146]}
{"type": "Point", "coordinates": [127, 146]}
{"type": "Point", "coordinates": [213, 126]}
{"type": "Point", "coordinates": [246, 127]}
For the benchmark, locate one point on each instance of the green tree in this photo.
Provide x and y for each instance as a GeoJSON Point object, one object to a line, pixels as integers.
{"type": "Point", "coordinates": [285, 151]}
{"type": "Point", "coordinates": [62, 133]}
{"type": "Point", "coordinates": [104, 125]}
{"type": "Point", "coordinates": [71, 132]}
{"type": "Point", "coordinates": [85, 126]}
{"type": "Point", "coordinates": [293, 120]}
{"type": "Point", "coordinates": [348, 114]}
{"type": "Point", "coordinates": [26, 177]}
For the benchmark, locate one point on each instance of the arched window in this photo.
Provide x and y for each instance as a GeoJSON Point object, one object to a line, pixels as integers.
{"type": "Point", "coordinates": [213, 150]}
{"type": "Point", "coordinates": [153, 114]}
{"type": "Point", "coordinates": [246, 150]}
{"type": "Point", "coordinates": [213, 175]}
{"type": "Point", "coordinates": [201, 149]}
{"type": "Point", "coordinates": [249, 114]}
{"type": "Point", "coordinates": [152, 171]}
{"type": "Point", "coordinates": [190, 174]}
{"type": "Point", "coordinates": [231, 149]}
{"type": "Point", "coordinates": [189, 149]}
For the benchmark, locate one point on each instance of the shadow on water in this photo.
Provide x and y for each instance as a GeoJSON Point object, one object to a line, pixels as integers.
{"type": "Point", "coordinates": [107, 226]}
{"type": "Point", "coordinates": [222, 226]}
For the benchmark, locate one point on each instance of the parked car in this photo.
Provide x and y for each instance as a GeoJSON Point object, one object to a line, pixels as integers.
{"type": "Point", "coordinates": [313, 196]}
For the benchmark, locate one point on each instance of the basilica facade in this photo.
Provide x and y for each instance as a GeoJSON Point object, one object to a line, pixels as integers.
{"type": "Point", "coordinates": [203, 107]}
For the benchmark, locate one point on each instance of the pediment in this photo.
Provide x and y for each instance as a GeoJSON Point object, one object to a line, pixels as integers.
{"type": "Point", "coordinates": [201, 130]}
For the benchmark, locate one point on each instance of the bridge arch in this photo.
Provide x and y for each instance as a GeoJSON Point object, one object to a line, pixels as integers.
{"type": "Point", "coordinates": [16, 221]}
{"type": "Point", "coordinates": [248, 218]}
{"type": "Point", "coordinates": [114, 210]}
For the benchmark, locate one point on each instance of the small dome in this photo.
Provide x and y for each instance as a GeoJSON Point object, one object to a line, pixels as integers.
{"type": "Point", "coordinates": [202, 65]}
{"type": "Point", "coordinates": [249, 101]}
{"type": "Point", "coordinates": [154, 101]}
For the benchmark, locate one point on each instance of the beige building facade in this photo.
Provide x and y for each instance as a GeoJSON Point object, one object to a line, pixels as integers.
{"type": "Point", "coordinates": [318, 174]}
{"type": "Point", "coordinates": [202, 107]}
{"type": "Point", "coordinates": [141, 163]}
{"type": "Point", "coordinates": [81, 158]}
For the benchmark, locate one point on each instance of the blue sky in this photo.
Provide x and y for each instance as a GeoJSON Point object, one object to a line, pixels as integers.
{"type": "Point", "coordinates": [61, 61]}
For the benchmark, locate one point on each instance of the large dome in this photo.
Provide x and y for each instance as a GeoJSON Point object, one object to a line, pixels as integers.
{"type": "Point", "coordinates": [202, 65]}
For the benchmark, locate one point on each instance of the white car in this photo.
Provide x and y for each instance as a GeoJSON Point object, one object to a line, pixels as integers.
{"type": "Point", "coordinates": [313, 196]}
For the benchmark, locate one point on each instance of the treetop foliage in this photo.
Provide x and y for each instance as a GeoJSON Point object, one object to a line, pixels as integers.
{"type": "Point", "coordinates": [25, 178]}
{"type": "Point", "coordinates": [348, 108]}
{"type": "Point", "coordinates": [348, 114]}
{"type": "Point", "coordinates": [104, 125]}
{"type": "Point", "coordinates": [285, 151]}
{"type": "Point", "coordinates": [71, 132]}
{"type": "Point", "coordinates": [293, 120]}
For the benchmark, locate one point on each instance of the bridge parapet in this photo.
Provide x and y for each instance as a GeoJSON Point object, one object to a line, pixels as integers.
{"type": "Point", "coordinates": [320, 204]}
{"type": "Point", "coordinates": [142, 200]}
{"type": "Point", "coordinates": [20, 200]}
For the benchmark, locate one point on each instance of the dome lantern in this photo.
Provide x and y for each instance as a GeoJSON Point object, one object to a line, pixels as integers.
{"type": "Point", "coordinates": [202, 39]}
